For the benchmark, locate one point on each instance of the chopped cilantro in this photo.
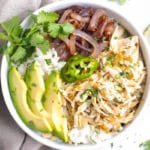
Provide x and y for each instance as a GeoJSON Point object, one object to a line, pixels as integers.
{"type": "Point", "coordinates": [31, 124]}
{"type": "Point", "coordinates": [121, 2]}
{"type": "Point", "coordinates": [124, 74]}
{"type": "Point", "coordinates": [145, 145]}
{"type": "Point", "coordinates": [107, 48]}
{"type": "Point", "coordinates": [96, 38]}
{"type": "Point", "coordinates": [117, 76]}
{"type": "Point", "coordinates": [89, 93]}
{"type": "Point", "coordinates": [54, 84]}
{"type": "Point", "coordinates": [103, 38]}
{"type": "Point", "coordinates": [115, 100]}
{"type": "Point", "coordinates": [115, 37]}
{"type": "Point", "coordinates": [130, 37]}
{"type": "Point", "coordinates": [41, 110]}
{"type": "Point", "coordinates": [34, 84]}
{"type": "Point", "coordinates": [147, 31]}
{"type": "Point", "coordinates": [111, 145]}
{"type": "Point", "coordinates": [48, 61]}
{"type": "Point", "coordinates": [97, 131]}
{"type": "Point", "coordinates": [132, 66]}
{"type": "Point", "coordinates": [109, 60]}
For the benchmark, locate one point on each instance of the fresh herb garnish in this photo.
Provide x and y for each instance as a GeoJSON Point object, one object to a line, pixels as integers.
{"type": "Point", "coordinates": [23, 42]}
{"type": "Point", "coordinates": [124, 74]}
{"type": "Point", "coordinates": [147, 31]}
{"type": "Point", "coordinates": [117, 76]}
{"type": "Point", "coordinates": [44, 17]}
{"type": "Point", "coordinates": [116, 37]}
{"type": "Point", "coordinates": [18, 55]}
{"type": "Point", "coordinates": [109, 60]}
{"type": "Point", "coordinates": [89, 93]}
{"type": "Point", "coordinates": [12, 29]}
{"type": "Point", "coordinates": [60, 30]}
{"type": "Point", "coordinates": [31, 124]}
{"type": "Point", "coordinates": [3, 48]}
{"type": "Point", "coordinates": [145, 145]}
{"type": "Point", "coordinates": [34, 84]}
{"type": "Point", "coordinates": [38, 40]}
{"type": "Point", "coordinates": [116, 100]}
{"type": "Point", "coordinates": [121, 2]}
{"type": "Point", "coordinates": [48, 61]}
{"type": "Point", "coordinates": [12, 33]}
{"type": "Point", "coordinates": [111, 145]}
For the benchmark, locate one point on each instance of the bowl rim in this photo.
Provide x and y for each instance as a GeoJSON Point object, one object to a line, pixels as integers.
{"type": "Point", "coordinates": [5, 91]}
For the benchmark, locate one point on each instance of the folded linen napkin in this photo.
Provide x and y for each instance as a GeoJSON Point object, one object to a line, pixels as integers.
{"type": "Point", "coordinates": [11, 136]}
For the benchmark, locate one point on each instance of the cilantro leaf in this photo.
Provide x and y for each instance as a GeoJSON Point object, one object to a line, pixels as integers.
{"type": "Point", "coordinates": [33, 19]}
{"type": "Point", "coordinates": [147, 30]}
{"type": "Point", "coordinates": [3, 36]}
{"type": "Point", "coordinates": [60, 30]}
{"type": "Point", "coordinates": [19, 55]}
{"type": "Point", "coordinates": [67, 28]}
{"type": "Point", "coordinates": [54, 29]}
{"type": "Point", "coordinates": [146, 145]}
{"type": "Point", "coordinates": [12, 26]}
{"type": "Point", "coordinates": [9, 50]}
{"type": "Point", "coordinates": [37, 40]}
{"type": "Point", "coordinates": [44, 17]}
{"type": "Point", "coordinates": [13, 30]}
{"type": "Point", "coordinates": [121, 2]}
{"type": "Point", "coordinates": [29, 32]}
{"type": "Point", "coordinates": [3, 48]}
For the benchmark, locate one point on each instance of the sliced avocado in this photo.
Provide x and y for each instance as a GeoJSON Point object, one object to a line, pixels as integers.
{"type": "Point", "coordinates": [18, 92]}
{"type": "Point", "coordinates": [36, 89]}
{"type": "Point", "coordinates": [35, 82]}
{"type": "Point", "coordinates": [53, 103]}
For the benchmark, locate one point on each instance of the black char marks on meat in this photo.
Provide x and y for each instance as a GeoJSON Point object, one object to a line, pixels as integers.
{"type": "Point", "coordinates": [93, 31]}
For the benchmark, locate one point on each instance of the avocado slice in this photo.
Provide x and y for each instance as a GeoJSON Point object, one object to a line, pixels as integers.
{"type": "Point", "coordinates": [53, 103]}
{"type": "Point", "coordinates": [18, 92]}
{"type": "Point", "coordinates": [36, 89]}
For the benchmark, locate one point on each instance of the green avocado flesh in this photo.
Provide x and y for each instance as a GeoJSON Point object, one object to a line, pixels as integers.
{"type": "Point", "coordinates": [53, 103]}
{"type": "Point", "coordinates": [18, 92]}
{"type": "Point", "coordinates": [39, 103]}
{"type": "Point", "coordinates": [36, 88]}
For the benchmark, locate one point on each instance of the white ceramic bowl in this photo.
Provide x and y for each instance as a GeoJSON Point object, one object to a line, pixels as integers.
{"type": "Point", "coordinates": [123, 21]}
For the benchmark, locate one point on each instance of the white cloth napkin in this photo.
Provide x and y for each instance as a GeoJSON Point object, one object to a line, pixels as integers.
{"type": "Point", "coordinates": [11, 136]}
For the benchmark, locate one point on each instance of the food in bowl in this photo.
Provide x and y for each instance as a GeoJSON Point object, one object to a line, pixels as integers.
{"type": "Point", "coordinates": [75, 74]}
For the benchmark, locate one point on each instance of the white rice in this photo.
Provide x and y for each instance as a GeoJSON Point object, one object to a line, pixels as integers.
{"type": "Point", "coordinates": [88, 135]}
{"type": "Point", "coordinates": [40, 59]}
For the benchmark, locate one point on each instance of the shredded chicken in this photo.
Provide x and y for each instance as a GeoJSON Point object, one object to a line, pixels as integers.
{"type": "Point", "coordinates": [109, 98]}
